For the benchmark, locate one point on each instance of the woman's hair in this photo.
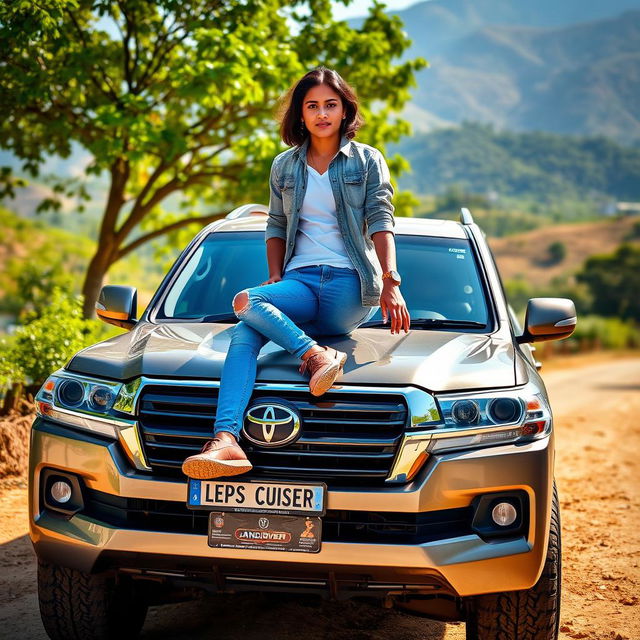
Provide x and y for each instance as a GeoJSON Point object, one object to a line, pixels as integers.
{"type": "Point", "coordinates": [291, 131]}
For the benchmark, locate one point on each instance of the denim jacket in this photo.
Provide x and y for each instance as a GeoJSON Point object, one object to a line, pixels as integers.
{"type": "Point", "coordinates": [362, 190]}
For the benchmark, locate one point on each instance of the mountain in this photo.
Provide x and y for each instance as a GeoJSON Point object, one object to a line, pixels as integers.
{"type": "Point", "coordinates": [565, 66]}
{"type": "Point", "coordinates": [569, 67]}
{"type": "Point", "coordinates": [538, 165]}
{"type": "Point", "coordinates": [436, 24]}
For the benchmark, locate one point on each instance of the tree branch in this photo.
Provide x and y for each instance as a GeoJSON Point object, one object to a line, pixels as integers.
{"type": "Point", "coordinates": [160, 59]}
{"type": "Point", "coordinates": [203, 160]}
{"type": "Point", "coordinates": [170, 227]}
{"type": "Point", "coordinates": [111, 92]}
{"type": "Point", "coordinates": [141, 210]}
{"type": "Point", "coordinates": [125, 45]}
{"type": "Point", "coordinates": [120, 172]}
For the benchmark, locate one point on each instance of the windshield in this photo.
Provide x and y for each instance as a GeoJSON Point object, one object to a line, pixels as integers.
{"type": "Point", "coordinates": [439, 278]}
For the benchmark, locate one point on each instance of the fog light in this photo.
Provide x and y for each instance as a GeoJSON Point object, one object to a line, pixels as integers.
{"type": "Point", "coordinates": [504, 514]}
{"type": "Point", "coordinates": [61, 491]}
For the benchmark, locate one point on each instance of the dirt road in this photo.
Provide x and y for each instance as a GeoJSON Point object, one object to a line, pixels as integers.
{"type": "Point", "coordinates": [596, 403]}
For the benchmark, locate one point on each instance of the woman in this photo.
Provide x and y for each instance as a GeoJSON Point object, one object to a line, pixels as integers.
{"type": "Point", "coordinates": [330, 252]}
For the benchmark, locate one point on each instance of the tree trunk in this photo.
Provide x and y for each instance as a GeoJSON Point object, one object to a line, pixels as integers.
{"type": "Point", "coordinates": [94, 278]}
{"type": "Point", "coordinates": [107, 249]}
{"type": "Point", "coordinates": [11, 399]}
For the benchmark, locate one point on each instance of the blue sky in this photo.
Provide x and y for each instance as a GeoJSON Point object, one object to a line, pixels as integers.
{"type": "Point", "coordinates": [360, 7]}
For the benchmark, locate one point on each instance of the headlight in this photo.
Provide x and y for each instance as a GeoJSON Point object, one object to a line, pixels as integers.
{"type": "Point", "coordinates": [481, 419]}
{"type": "Point", "coordinates": [473, 420]}
{"type": "Point", "coordinates": [94, 405]}
{"type": "Point", "coordinates": [83, 402]}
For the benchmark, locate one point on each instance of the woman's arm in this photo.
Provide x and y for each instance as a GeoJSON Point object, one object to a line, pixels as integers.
{"type": "Point", "coordinates": [275, 259]}
{"type": "Point", "coordinates": [378, 211]}
{"type": "Point", "coordinates": [276, 232]}
{"type": "Point", "coordinates": [391, 301]}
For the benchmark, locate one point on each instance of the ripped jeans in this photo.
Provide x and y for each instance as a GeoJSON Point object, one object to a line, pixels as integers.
{"type": "Point", "coordinates": [315, 300]}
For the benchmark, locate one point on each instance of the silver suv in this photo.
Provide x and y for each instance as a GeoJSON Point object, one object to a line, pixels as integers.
{"type": "Point", "coordinates": [424, 477]}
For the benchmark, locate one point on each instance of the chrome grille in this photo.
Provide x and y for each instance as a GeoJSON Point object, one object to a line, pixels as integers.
{"type": "Point", "coordinates": [347, 438]}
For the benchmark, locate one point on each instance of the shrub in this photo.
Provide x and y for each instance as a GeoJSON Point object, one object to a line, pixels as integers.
{"type": "Point", "coordinates": [634, 234]}
{"type": "Point", "coordinates": [614, 282]}
{"type": "Point", "coordinates": [557, 252]}
{"type": "Point", "coordinates": [606, 333]}
{"type": "Point", "coordinates": [592, 333]}
{"type": "Point", "coordinates": [47, 340]}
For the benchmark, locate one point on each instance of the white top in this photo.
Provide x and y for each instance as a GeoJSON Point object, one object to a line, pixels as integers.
{"type": "Point", "coordinates": [318, 238]}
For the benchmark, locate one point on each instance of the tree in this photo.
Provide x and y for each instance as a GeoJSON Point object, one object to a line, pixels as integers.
{"type": "Point", "coordinates": [176, 97]}
{"type": "Point", "coordinates": [614, 282]}
{"type": "Point", "coordinates": [557, 252]}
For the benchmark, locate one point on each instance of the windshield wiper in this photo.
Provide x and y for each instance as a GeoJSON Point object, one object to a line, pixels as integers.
{"type": "Point", "coordinates": [432, 323]}
{"type": "Point", "coordinates": [216, 317]}
{"type": "Point", "coordinates": [220, 317]}
{"type": "Point", "coordinates": [445, 322]}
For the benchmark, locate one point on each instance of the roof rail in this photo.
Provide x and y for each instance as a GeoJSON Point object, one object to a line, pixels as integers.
{"type": "Point", "coordinates": [465, 216]}
{"type": "Point", "coordinates": [246, 210]}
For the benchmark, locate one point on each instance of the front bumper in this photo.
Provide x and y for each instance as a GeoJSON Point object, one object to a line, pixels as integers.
{"type": "Point", "coordinates": [461, 566]}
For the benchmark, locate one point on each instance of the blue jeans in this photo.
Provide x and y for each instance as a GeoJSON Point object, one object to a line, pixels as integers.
{"type": "Point", "coordinates": [317, 300]}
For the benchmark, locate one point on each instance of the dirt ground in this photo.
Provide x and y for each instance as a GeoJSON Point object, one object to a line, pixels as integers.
{"type": "Point", "coordinates": [596, 402]}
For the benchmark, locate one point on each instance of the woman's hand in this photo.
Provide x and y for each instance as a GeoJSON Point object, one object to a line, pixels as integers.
{"type": "Point", "coordinates": [392, 305]}
{"type": "Point", "coordinates": [271, 280]}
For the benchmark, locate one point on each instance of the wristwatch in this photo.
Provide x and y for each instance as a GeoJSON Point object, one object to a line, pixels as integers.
{"type": "Point", "coordinates": [393, 275]}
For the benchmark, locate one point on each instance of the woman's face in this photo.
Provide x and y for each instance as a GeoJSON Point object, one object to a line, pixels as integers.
{"type": "Point", "coordinates": [322, 111]}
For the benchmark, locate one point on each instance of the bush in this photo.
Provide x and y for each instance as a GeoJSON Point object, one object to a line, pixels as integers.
{"type": "Point", "coordinates": [594, 333]}
{"type": "Point", "coordinates": [606, 333]}
{"type": "Point", "coordinates": [557, 252]}
{"type": "Point", "coordinates": [47, 340]}
{"type": "Point", "coordinates": [614, 282]}
{"type": "Point", "coordinates": [519, 291]}
{"type": "Point", "coordinates": [634, 234]}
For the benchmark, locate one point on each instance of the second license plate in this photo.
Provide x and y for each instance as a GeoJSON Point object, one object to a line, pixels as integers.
{"type": "Point", "coordinates": [265, 532]}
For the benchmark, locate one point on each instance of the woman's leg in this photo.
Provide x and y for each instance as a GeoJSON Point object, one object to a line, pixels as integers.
{"type": "Point", "coordinates": [238, 376]}
{"type": "Point", "coordinates": [222, 456]}
{"type": "Point", "coordinates": [340, 308]}
{"type": "Point", "coordinates": [275, 310]}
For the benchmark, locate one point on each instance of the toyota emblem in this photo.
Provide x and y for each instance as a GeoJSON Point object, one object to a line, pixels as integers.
{"type": "Point", "coordinates": [271, 424]}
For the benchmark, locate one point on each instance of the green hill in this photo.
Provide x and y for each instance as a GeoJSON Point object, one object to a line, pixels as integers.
{"type": "Point", "coordinates": [33, 251]}
{"type": "Point", "coordinates": [543, 166]}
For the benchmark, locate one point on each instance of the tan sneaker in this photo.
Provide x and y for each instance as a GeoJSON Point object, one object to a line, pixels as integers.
{"type": "Point", "coordinates": [324, 367]}
{"type": "Point", "coordinates": [218, 458]}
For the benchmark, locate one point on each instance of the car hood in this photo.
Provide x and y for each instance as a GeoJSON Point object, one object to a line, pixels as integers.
{"type": "Point", "coordinates": [433, 360]}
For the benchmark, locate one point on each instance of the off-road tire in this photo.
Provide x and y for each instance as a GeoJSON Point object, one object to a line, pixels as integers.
{"type": "Point", "coordinates": [532, 614]}
{"type": "Point", "coordinates": [80, 606]}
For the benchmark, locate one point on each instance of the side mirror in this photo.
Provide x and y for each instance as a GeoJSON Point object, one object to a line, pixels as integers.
{"type": "Point", "coordinates": [548, 319]}
{"type": "Point", "coordinates": [118, 305]}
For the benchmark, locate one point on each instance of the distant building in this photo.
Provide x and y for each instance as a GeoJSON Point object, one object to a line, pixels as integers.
{"type": "Point", "coordinates": [613, 208]}
{"type": "Point", "coordinates": [628, 208]}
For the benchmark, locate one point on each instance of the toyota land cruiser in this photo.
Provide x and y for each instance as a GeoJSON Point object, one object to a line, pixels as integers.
{"type": "Point", "coordinates": [423, 477]}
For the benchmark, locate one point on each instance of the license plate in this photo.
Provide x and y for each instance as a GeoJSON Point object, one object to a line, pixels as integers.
{"type": "Point", "coordinates": [284, 498]}
{"type": "Point", "coordinates": [266, 532]}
